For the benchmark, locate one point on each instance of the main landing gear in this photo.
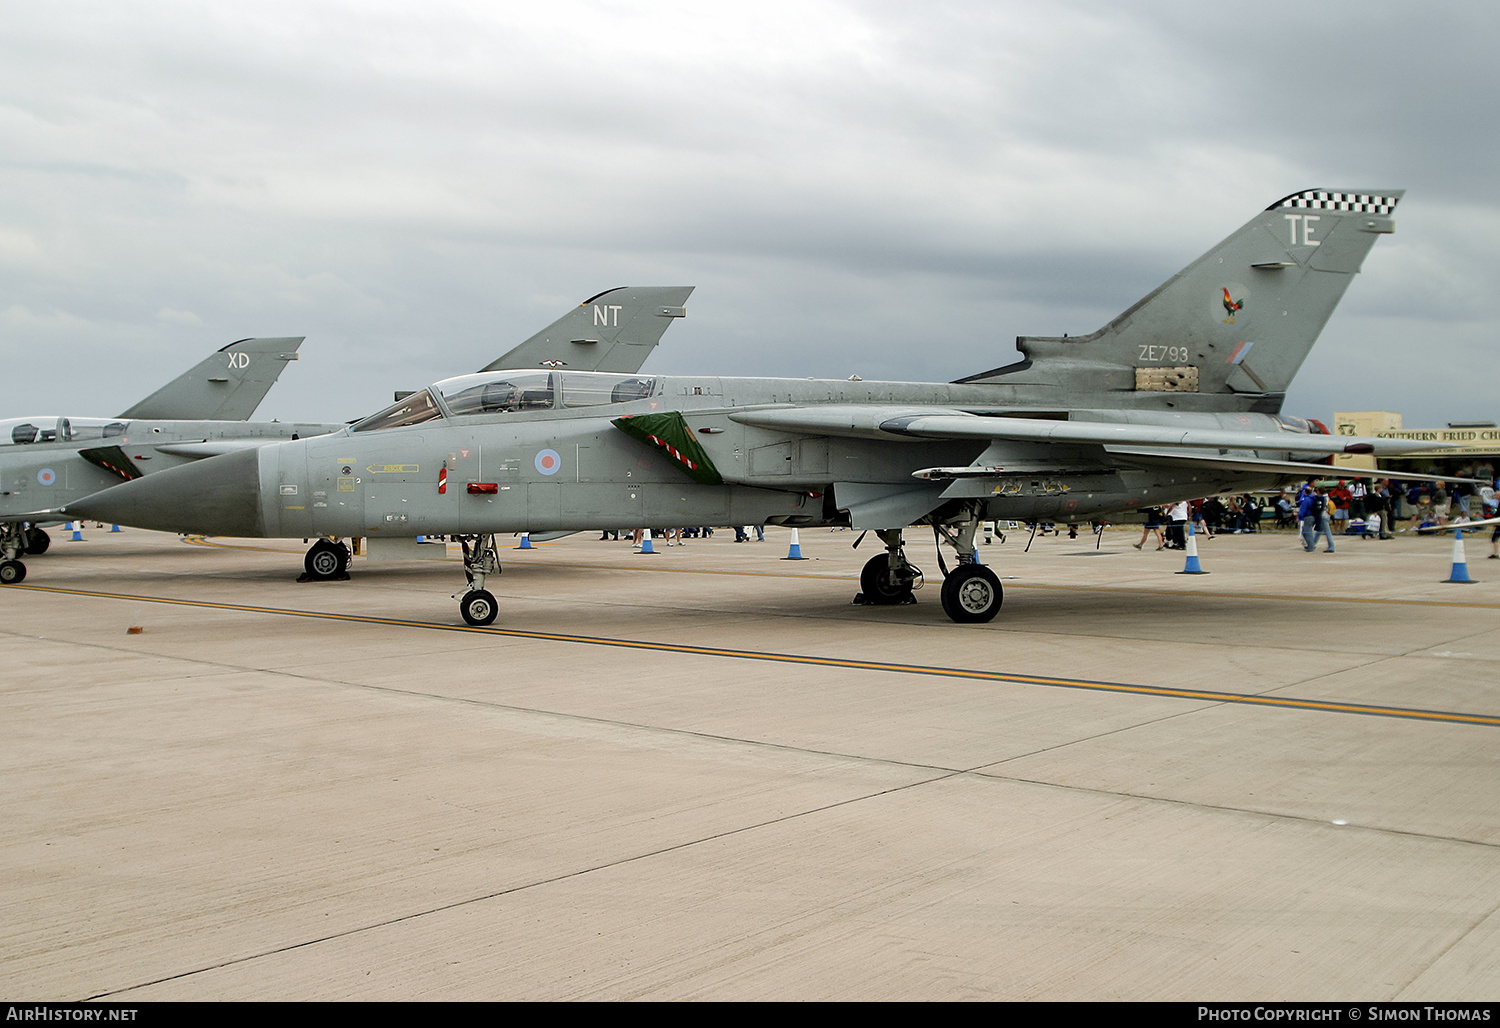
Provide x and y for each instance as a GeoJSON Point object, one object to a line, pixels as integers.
{"type": "Point", "coordinates": [481, 558]}
{"type": "Point", "coordinates": [12, 545]}
{"type": "Point", "coordinates": [970, 593]}
{"type": "Point", "coordinates": [888, 578]}
{"type": "Point", "coordinates": [327, 561]}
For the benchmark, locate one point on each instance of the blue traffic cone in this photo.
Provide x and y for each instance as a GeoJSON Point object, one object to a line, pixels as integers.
{"type": "Point", "coordinates": [1460, 572]}
{"type": "Point", "coordinates": [1192, 567]}
{"type": "Point", "coordinates": [795, 553]}
{"type": "Point", "coordinates": [646, 546]}
{"type": "Point", "coordinates": [525, 542]}
{"type": "Point", "coordinates": [114, 528]}
{"type": "Point", "coordinates": [77, 527]}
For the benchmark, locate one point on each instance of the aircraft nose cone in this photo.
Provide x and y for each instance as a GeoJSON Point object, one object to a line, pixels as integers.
{"type": "Point", "coordinates": [217, 496]}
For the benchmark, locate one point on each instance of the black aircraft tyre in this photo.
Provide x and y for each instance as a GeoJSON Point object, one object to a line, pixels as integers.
{"type": "Point", "coordinates": [12, 572]}
{"type": "Point", "coordinates": [971, 594]}
{"type": "Point", "coordinates": [346, 556]}
{"type": "Point", "coordinates": [478, 608]}
{"type": "Point", "coordinates": [879, 585]}
{"type": "Point", "coordinates": [37, 541]}
{"type": "Point", "coordinates": [324, 560]}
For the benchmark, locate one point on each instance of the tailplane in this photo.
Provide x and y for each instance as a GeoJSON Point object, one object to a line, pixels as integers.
{"type": "Point", "coordinates": [1239, 320]}
{"type": "Point", "coordinates": [226, 386]}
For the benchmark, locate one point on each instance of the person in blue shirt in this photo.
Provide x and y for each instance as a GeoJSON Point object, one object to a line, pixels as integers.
{"type": "Point", "coordinates": [1312, 510]}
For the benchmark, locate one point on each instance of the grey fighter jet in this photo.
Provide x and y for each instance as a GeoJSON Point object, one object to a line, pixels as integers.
{"type": "Point", "coordinates": [57, 459]}
{"type": "Point", "coordinates": [1178, 397]}
{"type": "Point", "coordinates": [45, 461]}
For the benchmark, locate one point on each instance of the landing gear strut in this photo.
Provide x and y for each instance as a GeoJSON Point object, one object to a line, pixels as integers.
{"type": "Point", "coordinates": [326, 561]}
{"type": "Point", "coordinates": [971, 592]}
{"type": "Point", "coordinates": [888, 578]}
{"type": "Point", "coordinates": [478, 605]}
{"type": "Point", "coordinates": [12, 545]}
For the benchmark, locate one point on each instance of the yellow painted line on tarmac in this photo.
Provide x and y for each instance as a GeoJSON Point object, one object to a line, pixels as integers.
{"type": "Point", "coordinates": [1257, 596]}
{"type": "Point", "coordinates": [973, 674]}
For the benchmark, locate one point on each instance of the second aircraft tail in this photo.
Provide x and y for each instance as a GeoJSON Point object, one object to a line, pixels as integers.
{"type": "Point", "coordinates": [226, 386]}
{"type": "Point", "coordinates": [615, 330]}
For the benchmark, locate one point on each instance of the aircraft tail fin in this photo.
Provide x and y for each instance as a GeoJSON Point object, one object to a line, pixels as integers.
{"type": "Point", "coordinates": [226, 386]}
{"type": "Point", "coordinates": [615, 330]}
{"type": "Point", "coordinates": [1238, 321]}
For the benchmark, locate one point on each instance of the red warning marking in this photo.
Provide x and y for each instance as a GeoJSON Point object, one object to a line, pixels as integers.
{"type": "Point", "coordinates": [673, 451]}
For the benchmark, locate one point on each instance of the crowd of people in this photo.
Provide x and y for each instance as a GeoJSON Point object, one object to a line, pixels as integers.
{"type": "Point", "coordinates": [1209, 516]}
{"type": "Point", "coordinates": [1371, 508]}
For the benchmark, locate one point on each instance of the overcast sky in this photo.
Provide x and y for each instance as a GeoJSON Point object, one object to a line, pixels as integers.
{"type": "Point", "coordinates": [894, 190]}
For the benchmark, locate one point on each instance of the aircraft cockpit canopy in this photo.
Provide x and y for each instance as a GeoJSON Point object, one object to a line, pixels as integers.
{"type": "Point", "coordinates": [412, 409]}
{"type": "Point", "coordinates": [509, 392]}
{"type": "Point", "coordinates": [24, 431]}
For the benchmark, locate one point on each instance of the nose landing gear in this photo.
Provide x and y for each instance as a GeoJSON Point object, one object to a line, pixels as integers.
{"type": "Point", "coordinates": [478, 605]}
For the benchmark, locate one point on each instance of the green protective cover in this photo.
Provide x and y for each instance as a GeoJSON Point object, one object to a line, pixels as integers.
{"type": "Point", "coordinates": [668, 432]}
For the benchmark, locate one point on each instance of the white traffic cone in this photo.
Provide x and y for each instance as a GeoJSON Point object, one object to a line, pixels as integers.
{"type": "Point", "coordinates": [1460, 572]}
{"type": "Point", "coordinates": [1192, 567]}
{"type": "Point", "coordinates": [525, 542]}
{"type": "Point", "coordinates": [646, 546]}
{"type": "Point", "coordinates": [795, 553]}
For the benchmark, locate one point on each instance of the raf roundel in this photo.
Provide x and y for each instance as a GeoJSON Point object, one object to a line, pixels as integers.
{"type": "Point", "coordinates": [548, 462]}
{"type": "Point", "coordinates": [46, 476]}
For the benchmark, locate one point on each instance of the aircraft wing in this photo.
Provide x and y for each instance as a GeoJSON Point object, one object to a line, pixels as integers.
{"type": "Point", "coordinates": [1301, 469]}
{"type": "Point", "coordinates": [878, 422]}
{"type": "Point", "coordinates": [226, 386]}
{"type": "Point", "coordinates": [614, 331]}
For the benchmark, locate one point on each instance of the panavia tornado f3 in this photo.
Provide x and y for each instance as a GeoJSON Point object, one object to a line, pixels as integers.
{"type": "Point", "coordinates": [1178, 397]}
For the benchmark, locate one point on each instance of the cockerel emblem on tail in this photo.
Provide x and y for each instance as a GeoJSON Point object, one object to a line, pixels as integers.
{"type": "Point", "coordinates": [1232, 306]}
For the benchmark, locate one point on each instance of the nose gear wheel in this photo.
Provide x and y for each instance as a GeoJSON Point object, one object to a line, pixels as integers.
{"type": "Point", "coordinates": [478, 608]}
